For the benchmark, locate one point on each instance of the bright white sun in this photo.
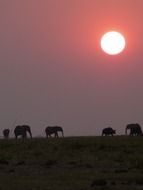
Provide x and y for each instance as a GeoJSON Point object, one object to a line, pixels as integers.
{"type": "Point", "coordinates": [112, 43]}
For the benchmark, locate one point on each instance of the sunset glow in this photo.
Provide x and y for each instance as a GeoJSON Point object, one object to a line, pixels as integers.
{"type": "Point", "coordinates": [75, 64]}
{"type": "Point", "coordinates": [112, 43]}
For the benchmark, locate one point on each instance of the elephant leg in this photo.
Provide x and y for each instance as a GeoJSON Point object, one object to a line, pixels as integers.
{"type": "Point", "coordinates": [24, 136]}
{"type": "Point", "coordinates": [48, 135]}
{"type": "Point", "coordinates": [56, 134]}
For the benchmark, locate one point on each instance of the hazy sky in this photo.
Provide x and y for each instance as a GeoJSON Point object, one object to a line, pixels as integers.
{"type": "Point", "coordinates": [53, 72]}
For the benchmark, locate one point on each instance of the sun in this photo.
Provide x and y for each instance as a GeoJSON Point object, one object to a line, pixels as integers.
{"type": "Point", "coordinates": [113, 43]}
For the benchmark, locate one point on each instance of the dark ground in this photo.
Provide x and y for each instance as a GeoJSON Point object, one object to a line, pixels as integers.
{"type": "Point", "coordinates": [72, 163]}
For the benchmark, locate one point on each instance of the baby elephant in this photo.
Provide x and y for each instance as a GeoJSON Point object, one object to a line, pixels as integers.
{"type": "Point", "coordinates": [108, 131]}
{"type": "Point", "coordinates": [6, 133]}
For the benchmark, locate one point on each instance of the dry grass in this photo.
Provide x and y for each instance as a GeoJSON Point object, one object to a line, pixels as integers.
{"type": "Point", "coordinates": [79, 163]}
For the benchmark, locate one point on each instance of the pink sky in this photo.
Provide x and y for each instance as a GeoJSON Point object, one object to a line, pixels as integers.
{"type": "Point", "coordinates": [53, 71]}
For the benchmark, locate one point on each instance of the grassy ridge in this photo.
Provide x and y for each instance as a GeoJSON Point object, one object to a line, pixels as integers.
{"type": "Point", "coordinates": [79, 163]}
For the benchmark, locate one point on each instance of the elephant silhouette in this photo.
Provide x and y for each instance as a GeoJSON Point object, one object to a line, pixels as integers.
{"type": "Point", "coordinates": [22, 130]}
{"type": "Point", "coordinates": [53, 130]}
{"type": "Point", "coordinates": [6, 133]}
{"type": "Point", "coordinates": [108, 131]}
{"type": "Point", "coordinates": [134, 128]}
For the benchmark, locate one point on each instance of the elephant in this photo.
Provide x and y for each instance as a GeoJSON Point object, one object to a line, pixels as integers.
{"type": "Point", "coordinates": [6, 133]}
{"type": "Point", "coordinates": [108, 131]}
{"type": "Point", "coordinates": [53, 130]}
{"type": "Point", "coordinates": [135, 129]}
{"type": "Point", "coordinates": [21, 130]}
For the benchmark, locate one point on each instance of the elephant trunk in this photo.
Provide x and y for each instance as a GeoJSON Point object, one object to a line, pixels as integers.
{"type": "Point", "coordinates": [30, 133]}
